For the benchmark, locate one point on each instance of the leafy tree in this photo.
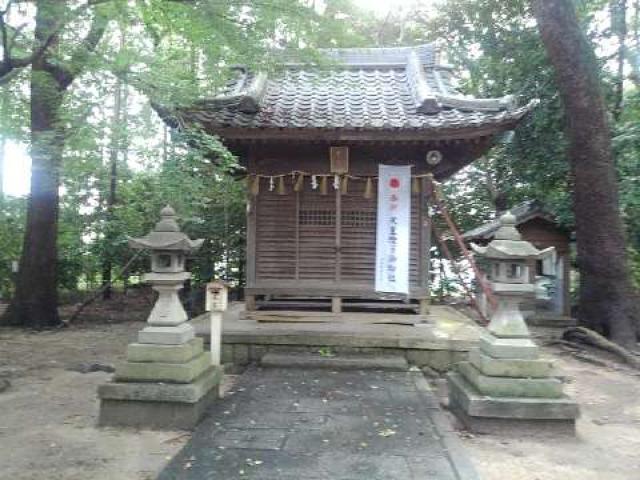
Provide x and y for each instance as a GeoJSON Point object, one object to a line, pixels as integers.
{"type": "Point", "coordinates": [67, 43]}
{"type": "Point", "coordinates": [606, 292]}
{"type": "Point", "coordinates": [12, 213]}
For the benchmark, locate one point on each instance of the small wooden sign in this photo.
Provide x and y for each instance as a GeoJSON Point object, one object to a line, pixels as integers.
{"type": "Point", "coordinates": [216, 298]}
{"type": "Point", "coordinates": [339, 159]}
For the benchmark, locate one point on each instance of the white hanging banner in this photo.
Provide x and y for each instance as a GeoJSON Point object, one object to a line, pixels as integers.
{"type": "Point", "coordinates": [393, 233]}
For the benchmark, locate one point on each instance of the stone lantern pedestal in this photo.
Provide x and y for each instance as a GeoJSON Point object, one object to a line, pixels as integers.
{"type": "Point", "coordinates": [168, 380]}
{"type": "Point", "coordinates": [505, 381]}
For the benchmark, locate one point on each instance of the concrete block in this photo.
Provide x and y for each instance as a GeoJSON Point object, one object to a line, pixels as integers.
{"type": "Point", "coordinates": [488, 414]}
{"type": "Point", "coordinates": [163, 372]}
{"type": "Point", "coordinates": [495, 347]}
{"type": "Point", "coordinates": [256, 352]}
{"type": "Point", "coordinates": [163, 392]}
{"type": "Point", "coordinates": [226, 354]}
{"type": "Point", "coordinates": [419, 358]}
{"type": "Point", "coordinates": [167, 335]}
{"type": "Point", "coordinates": [439, 360]}
{"type": "Point", "coordinates": [155, 415]}
{"type": "Point", "coordinates": [241, 354]}
{"type": "Point", "coordinates": [512, 367]}
{"type": "Point", "coordinates": [148, 352]}
{"type": "Point", "coordinates": [510, 387]}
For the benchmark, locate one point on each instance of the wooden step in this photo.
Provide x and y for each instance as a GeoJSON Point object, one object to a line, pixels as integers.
{"type": "Point", "coordinates": [336, 362]}
{"type": "Point", "coordinates": [346, 305]}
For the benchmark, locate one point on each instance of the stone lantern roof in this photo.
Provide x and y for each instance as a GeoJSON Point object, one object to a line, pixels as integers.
{"type": "Point", "coordinates": [507, 243]}
{"type": "Point", "coordinates": [166, 235]}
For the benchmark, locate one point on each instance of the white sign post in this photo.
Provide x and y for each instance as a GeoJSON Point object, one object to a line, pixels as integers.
{"type": "Point", "coordinates": [394, 229]}
{"type": "Point", "coordinates": [216, 304]}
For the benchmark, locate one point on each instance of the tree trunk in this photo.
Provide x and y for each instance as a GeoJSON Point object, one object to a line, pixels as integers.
{"type": "Point", "coordinates": [36, 299]}
{"type": "Point", "coordinates": [116, 145]}
{"type": "Point", "coordinates": [606, 293]}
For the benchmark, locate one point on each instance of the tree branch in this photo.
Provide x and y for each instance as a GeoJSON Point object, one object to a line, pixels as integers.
{"type": "Point", "coordinates": [66, 74]}
{"type": "Point", "coordinates": [5, 38]}
{"type": "Point", "coordinates": [90, 42]}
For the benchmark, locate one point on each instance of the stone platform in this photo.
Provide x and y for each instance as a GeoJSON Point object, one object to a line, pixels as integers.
{"type": "Point", "coordinates": [437, 340]}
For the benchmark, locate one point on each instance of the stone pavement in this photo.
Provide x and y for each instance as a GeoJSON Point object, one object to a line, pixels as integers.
{"type": "Point", "coordinates": [294, 424]}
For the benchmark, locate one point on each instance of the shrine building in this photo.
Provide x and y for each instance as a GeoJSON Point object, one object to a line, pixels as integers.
{"type": "Point", "coordinates": [312, 138]}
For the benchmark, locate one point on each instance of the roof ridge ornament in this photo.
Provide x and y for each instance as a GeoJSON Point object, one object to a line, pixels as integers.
{"type": "Point", "coordinates": [463, 103]}
{"type": "Point", "coordinates": [247, 95]}
{"type": "Point", "coordinates": [380, 56]}
{"type": "Point", "coordinates": [252, 95]}
{"type": "Point", "coordinates": [426, 100]}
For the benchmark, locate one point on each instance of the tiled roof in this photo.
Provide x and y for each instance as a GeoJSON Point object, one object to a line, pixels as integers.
{"type": "Point", "coordinates": [523, 212]}
{"type": "Point", "coordinates": [401, 88]}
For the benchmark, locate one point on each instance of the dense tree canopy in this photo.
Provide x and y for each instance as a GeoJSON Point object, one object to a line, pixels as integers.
{"type": "Point", "coordinates": [110, 63]}
{"type": "Point", "coordinates": [66, 55]}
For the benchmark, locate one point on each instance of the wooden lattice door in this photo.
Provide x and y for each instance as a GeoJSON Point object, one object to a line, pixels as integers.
{"type": "Point", "coordinates": [357, 235]}
{"type": "Point", "coordinates": [316, 235]}
{"type": "Point", "coordinates": [319, 239]}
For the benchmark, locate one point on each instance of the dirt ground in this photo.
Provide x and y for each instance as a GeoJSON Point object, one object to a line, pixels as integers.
{"type": "Point", "coordinates": [48, 417]}
{"type": "Point", "coordinates": [48, 421]}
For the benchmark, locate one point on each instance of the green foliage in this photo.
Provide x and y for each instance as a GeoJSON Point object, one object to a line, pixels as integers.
{"type": "Point", "coordinates": [626, 144]}
{"type": "Point", "coordinates": [497, 43]}
{"type": "Point", "coordinates": [163, 53]}
{"type": "Point", "coordinates": [326, 352]}
{"type": "Point", "coordinates": [173, 53]}
{"type": "Point", "coordinates": [12, 216]}
{"type": "Point", "coordinates": [634, 255]}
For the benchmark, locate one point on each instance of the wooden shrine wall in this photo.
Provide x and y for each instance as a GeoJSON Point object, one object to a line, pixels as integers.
{"type": "Point", "coordinates": [314, 241]}
{"type": "Point", "coordinates": [328, 238]}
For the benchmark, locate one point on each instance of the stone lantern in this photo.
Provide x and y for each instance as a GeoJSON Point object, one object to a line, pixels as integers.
{"type": "Point", "coordinates": [507, 260]}
{"type": "Point", "coordinates": [168, 247]}
{"type": "Point", "coordinates": [168, 380]}
{"type": "Point", "coordinates": [505, 379]}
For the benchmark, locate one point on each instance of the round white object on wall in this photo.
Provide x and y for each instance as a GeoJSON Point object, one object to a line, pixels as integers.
{"type": "Point", "coordinates": [434, 157]}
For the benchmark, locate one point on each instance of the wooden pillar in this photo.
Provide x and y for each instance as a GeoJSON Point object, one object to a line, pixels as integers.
{"type": "Point", "coordinates": [425, 245]}
{"type": "Point", "coordinates": [297, 233]}
{"type": "Point", "coordinates": [216, 337]}
{"type": "Point", "coordinates": [252, 206]}
{"type": "Point", "coordinates": [336, 305]}
{"type": "Point", "coordinates": [338, 232]}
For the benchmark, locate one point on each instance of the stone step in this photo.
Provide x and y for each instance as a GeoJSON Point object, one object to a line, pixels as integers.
{"type": "Point", "coordinates": [336, 362]}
